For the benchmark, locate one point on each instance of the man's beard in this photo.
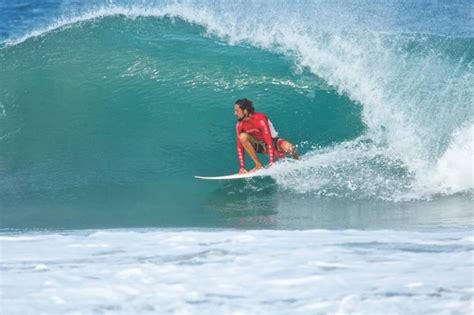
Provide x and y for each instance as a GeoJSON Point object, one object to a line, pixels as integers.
{"type": "Point", "coordinates": [243, 117]}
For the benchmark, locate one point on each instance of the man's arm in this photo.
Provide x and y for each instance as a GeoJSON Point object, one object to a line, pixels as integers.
{"type": "Point", "coordinates": [239, 147]}
{"type": "Point", "coordinates": [268, 138]}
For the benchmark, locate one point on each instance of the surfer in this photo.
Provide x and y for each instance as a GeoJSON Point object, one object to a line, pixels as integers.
{"type": "Point", "coordinates": [256, 134]}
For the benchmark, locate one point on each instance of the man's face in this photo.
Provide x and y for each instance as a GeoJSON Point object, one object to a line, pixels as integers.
{"type": "Point", "coordinates": [239, 113]}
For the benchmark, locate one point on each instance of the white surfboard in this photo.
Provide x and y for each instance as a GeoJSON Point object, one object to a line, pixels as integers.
{"type": "Point", "coordinates": [260, 173]}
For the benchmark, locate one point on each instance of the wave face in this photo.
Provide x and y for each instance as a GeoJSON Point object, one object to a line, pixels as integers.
{"type": "Point", "coordinates": [118, 106]}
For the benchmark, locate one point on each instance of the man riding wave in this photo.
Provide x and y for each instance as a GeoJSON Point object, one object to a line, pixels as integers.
{"type": "Point", "coordinates": [256, 134]}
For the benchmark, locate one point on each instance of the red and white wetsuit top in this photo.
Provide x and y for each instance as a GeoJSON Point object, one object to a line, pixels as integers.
{"type": "Point", "coordinates": [259, 127]}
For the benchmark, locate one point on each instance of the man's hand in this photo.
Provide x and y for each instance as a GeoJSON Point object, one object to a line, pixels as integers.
{"type": "Point", "coordinates": [242, 171]}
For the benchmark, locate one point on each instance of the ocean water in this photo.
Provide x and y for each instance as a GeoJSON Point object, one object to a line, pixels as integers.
{"type": "Point", "coordinates": [109, 108]}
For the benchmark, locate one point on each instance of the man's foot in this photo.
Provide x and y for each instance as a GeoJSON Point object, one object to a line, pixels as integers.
{"type": "Point", "coordinates": [256, 168]}
{"type": "Point", "coordinates": [294, 155]}
{"type": "Point", "coordinates": [242, 171]}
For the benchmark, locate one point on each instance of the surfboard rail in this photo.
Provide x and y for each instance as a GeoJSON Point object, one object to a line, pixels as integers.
{"type": "Point", "coordinates": [234, 176]}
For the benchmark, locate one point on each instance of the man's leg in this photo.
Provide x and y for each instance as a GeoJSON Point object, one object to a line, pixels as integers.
{"type": "Point", "coordinates": [288, 148]}
{"type": "Point", "coordinates": [245, 140]}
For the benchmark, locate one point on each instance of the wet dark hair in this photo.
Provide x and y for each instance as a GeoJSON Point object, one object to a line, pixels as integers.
{"type": "Point", "coordinates": [245, 104]}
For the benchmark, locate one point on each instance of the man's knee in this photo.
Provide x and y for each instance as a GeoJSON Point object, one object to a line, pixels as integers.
{"type": "Point", "coordinates": [285, 146]}
{"type": "Point", "coordinates": [292, 152]}
{"type": "Point", "coordinates": [244, 137]}
{"type": "Point", "coordinates": [291, 148]}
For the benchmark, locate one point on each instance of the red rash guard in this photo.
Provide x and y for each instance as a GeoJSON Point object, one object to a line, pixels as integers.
{"type": "Point", "coordinates": [256, 126]}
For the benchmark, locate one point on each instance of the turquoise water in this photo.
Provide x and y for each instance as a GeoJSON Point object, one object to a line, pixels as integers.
{"type": "Point", "coordinates": [109, 109]}
{"type": "Point", "coordinates": [129, 129]}
{"type": "Point", "coordinates": [106, 120]}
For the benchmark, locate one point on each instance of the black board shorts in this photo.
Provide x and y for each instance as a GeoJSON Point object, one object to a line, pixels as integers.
{"type": "Point", "coordinates": [261, 147]}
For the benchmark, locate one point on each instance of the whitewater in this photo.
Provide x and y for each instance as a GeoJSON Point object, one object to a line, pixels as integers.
{"type": "Point", "coordinates": [109, 108]}
{"type": "Point", "coordinates": [238, 272]}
